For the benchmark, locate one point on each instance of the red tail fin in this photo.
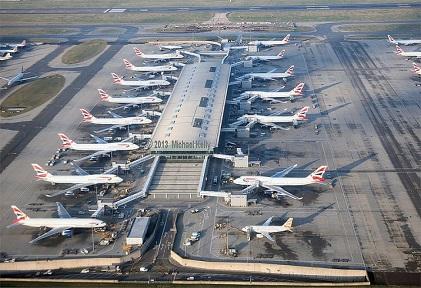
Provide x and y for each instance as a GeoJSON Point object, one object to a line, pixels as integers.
{"type": "Point", "coordinates": [40, 172]}
{"type": "Point", "coordinates": [138, 52]}
{"type": "Point", "coordinates": [399, 50]}
{"type": "Point", "coordinates": [281, 54]}
{"type": "Point", "coordinates": [299, 88]}
{"type": "Point", "coordinates": [290, 70]}
{"type": "Point", "coordinates": [67, 142]}
{"type": "Point", "coordinates": [128, 65]}
{"type": "Point", "coordinates": [302, 114]}
{"type": "Point", "coordinates": [103, 95]}
{"type": "Point", "coordinates": [87, 117]}
{"type": "Point", "coordinates": [416, 68]}
{"type": "Point", "coordinates": [116, 79]}
{"type": "Point", "coordinates": [317, 175]}
{"type": "Point", "coordinates": [19, 214]}
{"type": "Point", "coordinates": [286, 39]}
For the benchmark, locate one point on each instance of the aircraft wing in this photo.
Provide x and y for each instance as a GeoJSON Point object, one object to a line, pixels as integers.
{"type": "Point", "coordinates": [272, 100]}
{"type": "Point", "coordinates": [109, 128]}
{"type": "Point", "coordinates": [50, 233]}
{"type": "Point", "coordinates": [28, 78]}
{"type": "Point", "coordinates": [273, 125]}
{"type": "Point", "coordinates": [281, 191]}
{"type": "Point", "coordinates": [114, 114]}
{"type": "Point", "coordinates": [267, 222]}
{"type": "Point", "coordinates": [7, 79]}
{"type": "Point", "coordinates": [97, 153]}
{"type": "Point", "coordinates": [79, 170]}
{"type": "Point", "coordinates": [98, 140]}
{"type": "Point", "coordinates": [250, 188]}
{"type": "Point", "coordinates": [263, 77]}
{"type": "Point", "coordinates": [267, 236]}
{"type": "Point", "coordinates": [284, 172]}
{"type": "Point", "coordinates": [62, 212]}
{"type": "Point", "coordinates": [74, 187]}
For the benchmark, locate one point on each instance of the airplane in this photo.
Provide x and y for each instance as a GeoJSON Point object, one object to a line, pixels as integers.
{"type": "Point", "coordinates": [267, 58]}
{"type": "Point", "coordinates": [63, 225]}
{"type": "Point", "coordinates": [128, 100]}
{"type": "Point", "coordinates": [274, 182]}
{"type": "Point", "coordinates": [159, 57]}
{"type": "Point", "coordinates": [271, 42]}
{"type": "Point", "coordinates": [102, 147]}
{"type": "Point", "coordinates": [18, 45]}
{"type": "Point", "coordinates": [6, 57]}
{"type": "Point", "coordinates": [416, 69]}
{"type": "Point", "coordinates": [170, 47]}
{"type": "Point", "coordinates": [270, 75]}
{"type": "Point", "coordinates": [266, 229]}
{"type": "Point", "coordinates": [18, 78]}
{"type": "Point", "coordinates": [399, 51]}
{"type": "Point", "coordinates": [117, 121]}
{"type": "Point", "coordinates": [81, 181]}
{"type": "Point", "coordinates": [273, 120]}
{"type": "Point", "coordinates": [273, 96]}
{"type": "Point", "coordinates": [402, 42]}
{"type": "Point", "coordinates": [13, 50]}
{"type": "Point", "coordinates": [152, 69]}
{"type": "Point", "coordinates": [140, 83]}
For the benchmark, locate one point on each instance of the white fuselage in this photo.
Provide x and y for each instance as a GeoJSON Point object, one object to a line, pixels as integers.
{"type": "Point", "coordinates": [264, 229]}
{"type": "Point", "coordinates": [84, 179]}
{"type": "Point", "coordinates": [264, 58]}
{"type": "Point", "coordinates": [15, 79]}
{"type": "Point", "coordinates": [144, 83]}
{"type": "Point", "coordinates": [268, 43]}
{"type": "Point", "coordinates": [6, 57]}
{"type": "Point", "coordinates": [121, 121]}
{"type": "Point", "coordinates": [135, 100]}
{"type": "Point", "coordinates": [411, 54]}
{"type": "Point", "coordinates": [167, 56]}
{"type": "Point", "coordinates": [269, 75]}
{"type": "Point", "coordinates": [63, 222]}
{"type": "Point", "coordinates": [274, 181]}
{"type": "Point", "coordinates": [104, 147]}
{"type": "Point", "coordinates": [270, 119]}
{"type": "Point", "coordinates": [153, 69]}
{"type": "Point", "coordinates": [265, 94]}
{"type": "Point", "coordinates": [406, 42]}
{"type": "Point", "coordinates": [4, 51]}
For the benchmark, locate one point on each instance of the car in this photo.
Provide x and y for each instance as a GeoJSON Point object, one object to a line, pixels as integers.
{"type": "Point", "coordinates": [187, 242]}
{"type": "Point", "coordinates": [143, 269]}
{"type": "Point", "coordinates": [215, 180]}
{"type": "Point", "coordinates": [195, 210]}
{"type": "Point", "coordinates": [48, 272]}
{"type": "Point", "coordinates": [84, 251]}
{"type": "Point", "coordinates": [190, 278]}
{"type": "Point", "coordinates": [84, 271]}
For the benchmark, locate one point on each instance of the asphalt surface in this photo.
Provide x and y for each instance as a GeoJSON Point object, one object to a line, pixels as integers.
{"type": "Point", "coordinates": [219, 9]}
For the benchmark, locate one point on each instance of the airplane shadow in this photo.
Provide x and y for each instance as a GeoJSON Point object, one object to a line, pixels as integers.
{"type": "Point", "coordinates": [314, 116]}
{"type": "Point", "coordinates": [318, 90]}
{"type": "Point", "coordinates": [344, 170]}
{"type": "Point", "coordinates": [298, 221]}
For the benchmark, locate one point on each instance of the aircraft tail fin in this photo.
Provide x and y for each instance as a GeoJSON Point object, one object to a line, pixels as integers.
{"type": "Point", "coordinates": [128, 65]}
{"type": "Point", "coordinates": [15, 49]}
{"type": "Point", "coordinates": [399, 50]}
{"type": "Point", "coordinates": [40, 172]}
{"type": "Point", "coordinates": [138, 52]}
{"type": "Point", "coordinates": [290, 70]}
{"type": "Point", "coordinates": [67, 142]}
{"type": "Point", "coordinates": [286, 39]}
{"type": "Point", "coordinates": [390, 38]}
{"type": "Point", "coordinates": [87, 117]}
{"type": "Point", "coordinates": [281, 54]}
{"type": "Point", "coordinates": [298, 89]}
{"type": "Point", "coordinates": [19, 214]}
{"type": "Point", "coordinates": [317, 175]}
{"type": "Point", "coordinates": [116, 79]}
{"type": "Point", "coordinates": [288, 224]}
{"type": "Point", "coordinates": [416, 68]}
{"type": "Point", "coordinates": [103, 95]}
{"type": "Point", "coordinates": [23, 43]}
{"type": "Point", "coordinates": [302, 114]}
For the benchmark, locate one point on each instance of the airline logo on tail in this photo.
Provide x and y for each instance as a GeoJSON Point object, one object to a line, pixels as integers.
{"type": "Point", "coordinates": [299, 88]}
{"type": "Point", "coordinates": [317, 175]}
{"type": "Point", "coordinates": [290, 70]}
{"type": "Point", "coordinates": [138, 52]}
{"type": "Point", "coordinates": [302, 114]}
{"type": "Point", "coordinates": [67, 142]}
{"type": "Point", "coordinates": [20, 216]}
{"type": "Point", "coordinates": [103, 95]}
{"type": "Point", "coordinates": [281, 54]}
{"type": "Point", "coordinates": [87, 117]}
{"type": "Point", "coordinates": [399, 50]}
{"type": "Point", "coordinates": [40, 172]}
{"type": "Point", "coordinates": [416, 68]}
{"type": "Point", "coordinates": [128, 64]}
{"type": "Point", "coordinates": [116, 79]}
{"type": "Point", "coordinates": [286, 39]}
{"type": "Point", "coordinates": [391, 40]}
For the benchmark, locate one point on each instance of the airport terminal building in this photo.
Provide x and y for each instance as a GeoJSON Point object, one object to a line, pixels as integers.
{"type": "Point", "coordinates": [190, 124]}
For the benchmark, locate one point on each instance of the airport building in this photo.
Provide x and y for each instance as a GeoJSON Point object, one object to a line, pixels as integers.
{"type": "Point", "coordinates": [190, 124]}
{"type": "Point", "coordinates": [137, 233]}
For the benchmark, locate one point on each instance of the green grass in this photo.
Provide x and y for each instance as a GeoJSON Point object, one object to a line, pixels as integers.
{"type": "Point", "coordinates": [175, 3]}
{"type": "Point", "coordinates": [327, 15]}
{"type": "Point", "coordinates": [380, 27]}
{"type": "Point", "coordinates": [32, 95]}
{"type": "Point", "coordinates": [107, 18]}
{"type": "Point", "coordinates": [33, 31]}
{"type": "Point", "coordinates": [83, 51]}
